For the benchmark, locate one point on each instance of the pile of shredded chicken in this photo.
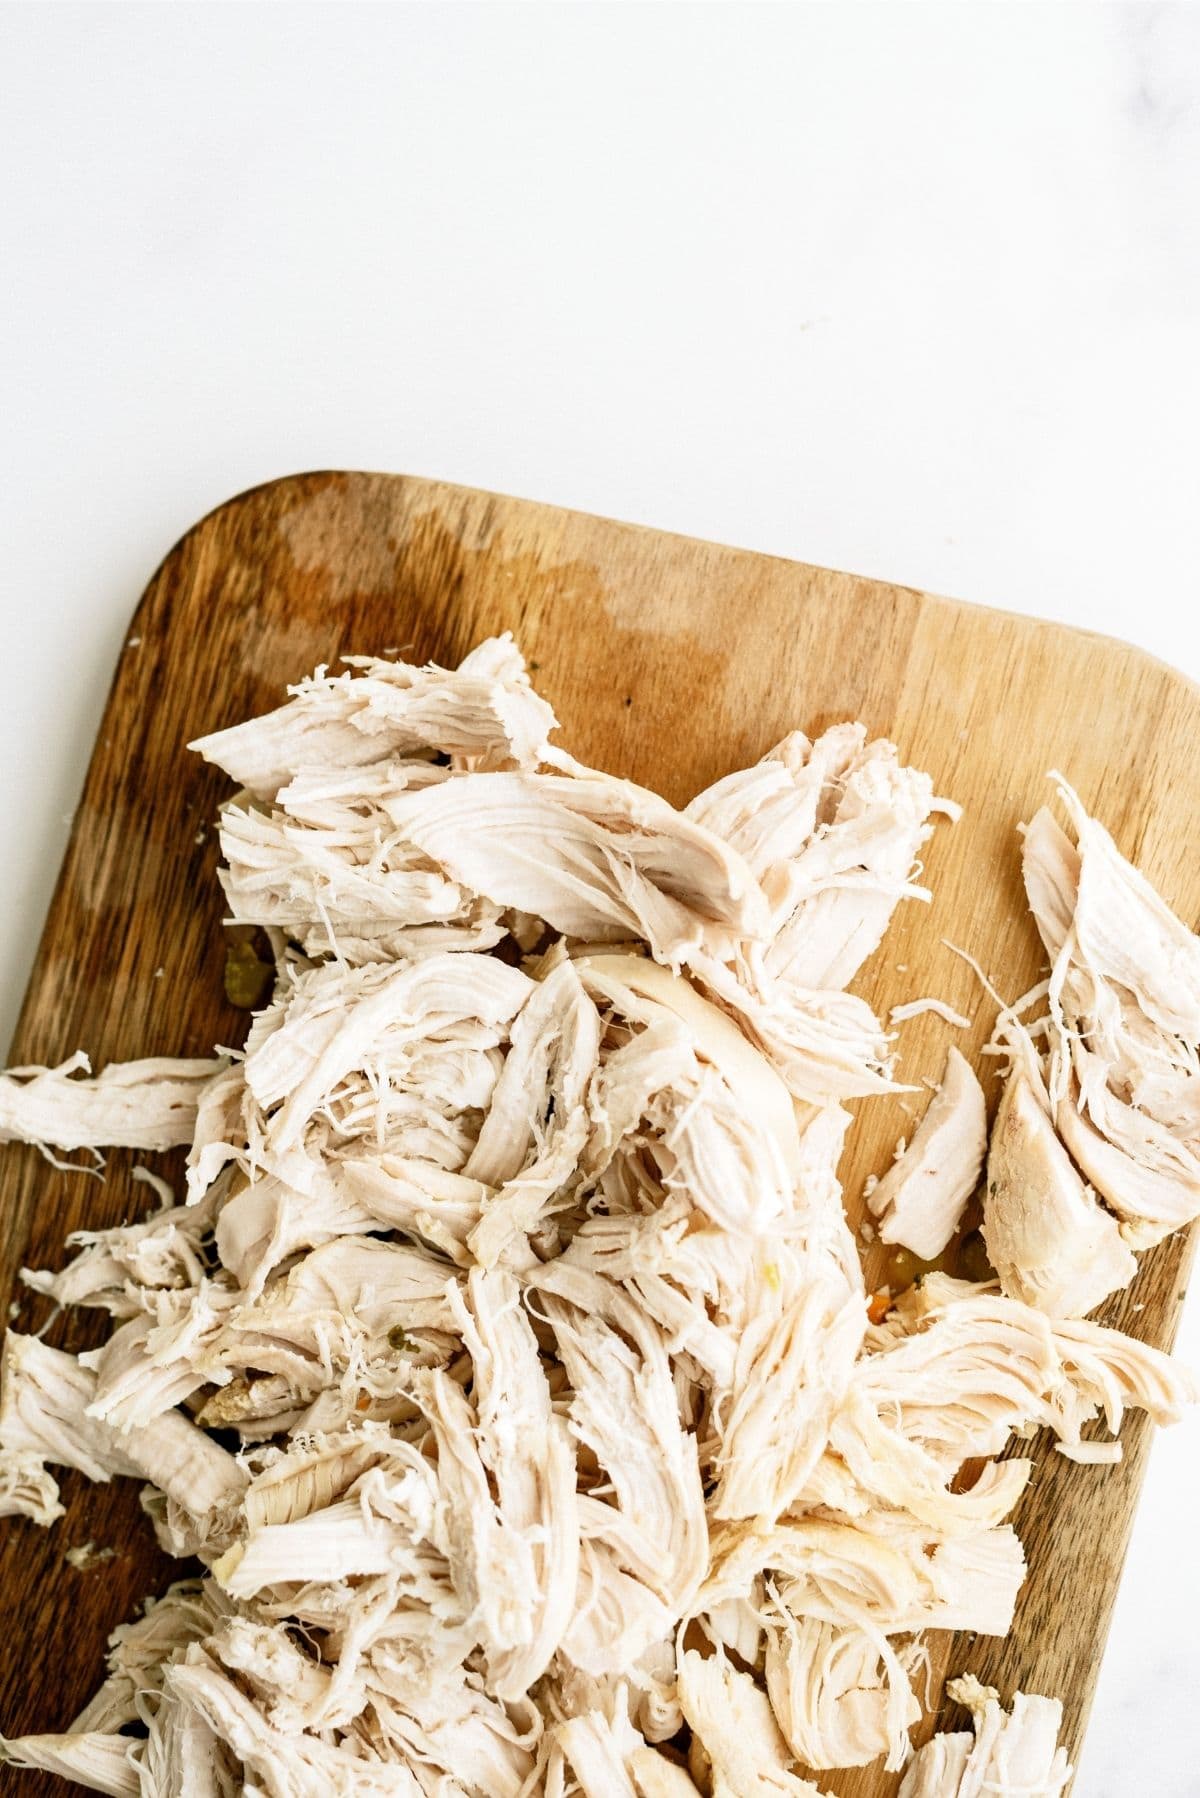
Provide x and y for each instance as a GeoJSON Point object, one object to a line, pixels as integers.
{"type": "Point", "coordinates": [513, 1255]}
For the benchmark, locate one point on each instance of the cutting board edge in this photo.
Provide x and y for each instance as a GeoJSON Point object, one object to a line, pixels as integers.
{"type": "Point", "coordinates": [1033, 620]}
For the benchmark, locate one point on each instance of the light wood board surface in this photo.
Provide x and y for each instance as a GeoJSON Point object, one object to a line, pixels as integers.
{"type": "Point", "coordinates": [669, 661]}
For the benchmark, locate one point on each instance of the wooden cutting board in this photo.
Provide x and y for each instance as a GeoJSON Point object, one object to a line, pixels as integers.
{"type": "Point", "coordinates": [667, 660]}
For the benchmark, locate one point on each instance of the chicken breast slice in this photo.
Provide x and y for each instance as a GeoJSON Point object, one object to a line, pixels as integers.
{"type": "Point", "coordinates": [1052, 1244]}
{"type": "Point", "coordinates": [1141, 1169]}
{"type": "Point", "coordinates": [921, 1198]}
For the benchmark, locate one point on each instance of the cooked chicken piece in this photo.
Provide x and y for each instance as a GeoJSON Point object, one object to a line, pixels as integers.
{"type": "Point", "coordinates": [1123, 1035]}
{"type": "Point", "coordinates": [1141, 1169]}
{"type": "Point", "coordinates": [1007, 1365]}
{"type": "Point", "coordinates": [347, 1049]}
{"type": "Point", "coordinates": [598, 858]}
{"type": "Point", "coordinates": [1111, 1372]}
{"type": "Point", "coordinates": [597, 1749]}
{"type": "Point", "coordinates": [1050, 866]}
{"type": "Point", "coordinates": [770, 811]}
{"type": "Point", "coordinates": [641, 991]}
{"type": "Point", "coordinates": [291, 1687]}
{"type": "Point", "coordinates": [1091, 1454]}
{"type": "Point", "coordinates": [382, 1526]}
{"type": "Point", "coordinates": [485, 710]}
{"type": "Point", "coordinates": [723, 1126]}
{"type": "Point", "coordinates": [354, 1299]}
{"type": "Point", "coordinates": [156, 1361]}
{"type": "Point", "coordinates": [1122, 930]}
{"type": "Point", "coordinates": [1013, 1754]}
{"type": "Point", "coordinates": [841, 1692]}
{"type": "Point", "coordinates": [921, 1198]}
{"type": "Point", "coordinates": [99, 1763]}
{"type": "Point", "coordinates": [368, 940]}
{"type": "Point", "coordinates": [886, 1460]}
{"type": "Point", "coordinates": [494, 1562]}
{"type": "Point", "coordinates": [460, 1740]}
{"type": "Point", "coordinates": [653, 1689]}
{"type": "Point", "coordinates": [609, 1759]}
{"type": "Point", "coordinates": [282, 1765]}
{"type": "Point", "coordinates": [617, 1617]}
{"type": "Point", "coordinates": [833, 1694]}
{"type": "Point", "coordinates": [824, 1044]}
{"type": "Point", "coordinates": [1049, 1240]}
{"type": "Point", "coordinates": [832, 830]}
{"type": "Point", "coordinates": [654, 1776]}
{"type": "Point", "coordinates": [737, 1624]}
{"type": "Point", "coordinates": [878, 1571]}
{"type": "Point", "coordinates": [733, 1719]}
{"type": "Point", "coordinates": [219, 1135]}
{"type": "Point", "coordinates": [418, 1198]}
{"type": "Point", "coordinates": [140, 1652]}
{"type": "Point", "coordinates": [532, 1139]}
{"type": "Point", "coordinates": [349, 875]}
{"type": "Point", "coordinates": [309, 1474]}
{"type": "Point", "coordinates": [915, 1008]}
{"type": "Point", "coordinates": [27, 1487]}
{"type": "Point", "coordinates": [268, 1220]}
{"type": "Point", "coordinates": [121, 1269]}
{"type": "Point", "coordinates": [623, 1410]}
{"type": "Point", "coordinates": [130, 1104]}
{"type": "Point", "coordinates": [794, 1360]}
{"type": "Point", "coordinates": [45, 1411]}
{"type": "Point", "coordinates": [968, 1369]}
{"type": "Point", "coordinates": [392, 1646]}
{"type": "Point", "coordinates": [848, 880]}
{"type": "Point", "coordinates": [183, 1754]}
{"type": "Point", "coordinates": [831, 1566]}
{"type": "Point", "coordinates": [977, 1578]}
{"type": "Point", "coordinates": [531, 1459]}
{"type": "Point", "coordinates": [741, 1310]}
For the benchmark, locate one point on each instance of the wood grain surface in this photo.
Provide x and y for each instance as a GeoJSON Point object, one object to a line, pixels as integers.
{"type": "Point", "coordinates": [669, 661]}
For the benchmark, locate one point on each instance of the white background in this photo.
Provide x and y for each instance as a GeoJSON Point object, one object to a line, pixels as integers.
{"type": "Point", "coordinates": [911, 291]}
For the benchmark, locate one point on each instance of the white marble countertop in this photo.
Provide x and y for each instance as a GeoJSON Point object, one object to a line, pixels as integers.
{"type": "Point", "coordinates": [911, 291]}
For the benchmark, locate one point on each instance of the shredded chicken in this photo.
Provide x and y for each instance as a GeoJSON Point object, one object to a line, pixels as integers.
{"type": "Point", "coordinates": [1013, 1754]}
{"type": "Point", "coordinates": [1115, 1067]}
{"type": "Point", "coordinates": [920, 1200]}
{"type": "Point", "coordinates": [131, 1104]}
{"type": "Point", "coordinates": [915, 1008]}
{"type": "Point", "coordinates": [513, 1259]}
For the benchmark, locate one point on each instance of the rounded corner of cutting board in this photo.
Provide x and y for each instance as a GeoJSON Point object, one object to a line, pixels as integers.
{"type": "Point", "coordinates": [1117, 649]}
{"type": "Point", "coordinates": [261, 494]}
